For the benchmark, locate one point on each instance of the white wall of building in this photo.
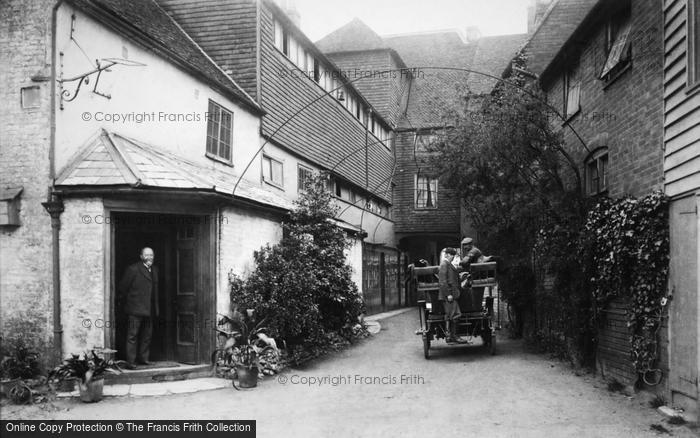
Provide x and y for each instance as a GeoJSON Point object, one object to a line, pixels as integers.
{"type": "Point", "coordinates": [153, 94]}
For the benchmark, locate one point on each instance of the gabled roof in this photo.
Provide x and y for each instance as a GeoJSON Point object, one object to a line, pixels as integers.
{"type": "Point", "coordinates": [557, 25]}
{"type": "Point", "coordinates": [354, 36]}
{"type": "Point", "coordinates": [148, 24]}
{"type": "Point", "coordinates": [109, 160]}
{"type": "Point", "coordinates": [492, 55]}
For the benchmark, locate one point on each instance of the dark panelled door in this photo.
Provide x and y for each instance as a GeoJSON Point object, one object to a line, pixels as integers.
{"type": "Point", "coordinates": [186, 299]}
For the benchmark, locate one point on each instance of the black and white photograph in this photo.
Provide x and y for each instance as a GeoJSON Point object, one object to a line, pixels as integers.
{"type": "Point", "coordinates": [349, 218]}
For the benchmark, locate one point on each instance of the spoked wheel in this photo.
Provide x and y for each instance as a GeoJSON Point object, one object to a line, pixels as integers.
{"type": "Point", "coordinates": [426, 346]}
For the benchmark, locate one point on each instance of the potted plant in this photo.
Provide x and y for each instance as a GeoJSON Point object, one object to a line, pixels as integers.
{"type": "Point", "coordinates": [18, 362]}
{"type": "Point", "coordinates": [89, 370]}
{"type": "Point", "coordinates": [245, 350]}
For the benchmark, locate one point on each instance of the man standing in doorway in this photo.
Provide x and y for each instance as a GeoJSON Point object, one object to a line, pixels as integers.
{"type": "Point", "coordinates": [139, 291]}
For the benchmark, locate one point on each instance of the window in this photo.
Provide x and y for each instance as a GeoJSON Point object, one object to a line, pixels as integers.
{"type": "Point", "coordinates": [219, 128]}
{"type": "Point", "coordinates": [293, 49]}
{"type": "Point", "coordinates": [618, 49]}
{"type": "Point", "coordinates": [279, 36]}
{"type": "Point", "coordinates": [597, 172]}
{"type": "Point", "coordinates": [693, 43]}
{"type": "Point", "coordinates": [426, 192]}
{"type": "Point", "coordinates": [572, 91]}
{"type": "Point", "coordinates": [310, 66]}
{"type": "Point", "coordinates": [272, 171]}
{"type": "Point", "coordinates": [317, 71]}
{"type": "Point", "coordinates": [304, 177]}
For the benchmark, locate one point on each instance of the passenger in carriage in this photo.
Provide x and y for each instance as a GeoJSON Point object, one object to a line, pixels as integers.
{"type": "Point", "coordinates": [470, 254]}
{"type": "Point", "coordinates": [449, 292]}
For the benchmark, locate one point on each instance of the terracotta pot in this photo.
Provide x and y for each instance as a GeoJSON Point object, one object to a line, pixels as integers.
{"type": "Point", "coordinates": [92, 391]}
{"type": "Point", "coordinates": [247, 377]}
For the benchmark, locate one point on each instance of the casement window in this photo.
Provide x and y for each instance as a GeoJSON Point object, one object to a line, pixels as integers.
{"type": "Point", "coordinates": [279, 36]}
{"type": "Point", "coordinates": [305, 176]}
{"type": "Point", "coordinates": [310, 66]}
{"type": "Point", "coordinates": [693, 43]}
{"type": "Point", "coordinates": [572, 91]}
{"type": "Point", "coordinates": [426, 192]}
{"type": "Point", "coordinates": [272, 171]}
{"type": "Point", "coordinates": [293, 49]}
{"type": "Point", "coordinates": [597, 172]}
{"type": "Point", "coordinates": [219, 132]}
{"type": "Point", "coordinates": [618, 48]}
{"type": "Point", "coordinates": [317, 71]}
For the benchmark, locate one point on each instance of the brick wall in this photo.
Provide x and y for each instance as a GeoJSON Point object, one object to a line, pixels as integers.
{"type": "Point", "coordinates": [25, 251]}
{"type": "Point", "coordinates": [626, 116]}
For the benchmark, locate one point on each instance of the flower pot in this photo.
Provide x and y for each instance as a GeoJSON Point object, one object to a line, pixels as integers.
{"type": "Point", "coordinates": [91, 392]}
{"type": "Point", "coordinates": [247, 377]}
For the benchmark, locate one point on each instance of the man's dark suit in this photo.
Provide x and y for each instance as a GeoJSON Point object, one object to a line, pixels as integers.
{"type": "Point", "coordinates": [139, 291]}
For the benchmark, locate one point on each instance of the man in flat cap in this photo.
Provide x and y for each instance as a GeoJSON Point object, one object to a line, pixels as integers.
{"type": "Point", "coordinates": [470, 253]}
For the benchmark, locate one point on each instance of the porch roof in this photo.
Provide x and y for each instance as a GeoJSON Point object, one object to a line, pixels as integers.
{"type": "Point", "coordinates": [109, 159]}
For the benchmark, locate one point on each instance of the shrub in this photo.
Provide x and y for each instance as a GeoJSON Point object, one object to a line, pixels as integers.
{"type": "Point", "coordinates": [302, 286]}
{"type": "Point", "coordinates": [18, 359]}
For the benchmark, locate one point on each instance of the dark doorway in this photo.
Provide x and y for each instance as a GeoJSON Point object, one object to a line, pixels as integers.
{"type": "Point", "coordinates": [181, 248]}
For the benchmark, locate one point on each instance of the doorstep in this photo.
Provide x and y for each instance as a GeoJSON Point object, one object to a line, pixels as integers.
{"type": "Point", "coordinates": [164, 374]}
{"type": "Point", "coordinates": [160, 388]}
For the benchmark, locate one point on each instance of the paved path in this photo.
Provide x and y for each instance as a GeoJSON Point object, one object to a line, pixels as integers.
{"type": "Point", "coordinates": [383, 387]}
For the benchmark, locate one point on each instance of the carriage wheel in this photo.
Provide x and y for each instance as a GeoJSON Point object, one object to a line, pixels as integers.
{"type": "Point", "coordinates": [426, 346]}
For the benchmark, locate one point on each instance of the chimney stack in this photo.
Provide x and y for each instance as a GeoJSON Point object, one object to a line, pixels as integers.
{"type": "Point", "coordinates": [472, 34]}
{"type": "Point", "coordinates": [290, 8]}
{"type": "Point", "coordinates": [535, 12]}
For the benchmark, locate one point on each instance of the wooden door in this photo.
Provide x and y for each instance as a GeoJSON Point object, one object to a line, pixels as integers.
{"type": "Point", "coordinates": [186, 294]}
{"type": "Point", "coordinates": [683, 310]}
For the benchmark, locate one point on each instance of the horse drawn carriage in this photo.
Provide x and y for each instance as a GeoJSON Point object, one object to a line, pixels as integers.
{"type": "Point", "coordinates": [475, 301]}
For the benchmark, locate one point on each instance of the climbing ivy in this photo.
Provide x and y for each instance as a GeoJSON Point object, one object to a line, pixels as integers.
{"type": "Point", "coordinates": [627, 243]}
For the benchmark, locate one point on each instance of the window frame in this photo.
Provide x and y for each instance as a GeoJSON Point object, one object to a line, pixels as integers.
{"type": "Point", "coordinates": [619, 21]}
{"type": "Point", "coordinates": [434, 196]}
{"type": "Point", "coordinates": [597, 158]}
{"type": "Point", "coordinates": [216, 155]}
{"type": "Point", "coordinates": [300, 168]}
{"type": "Point", "coordinates": [271, 181]}
{"type": "Point", "coordinates": [693, 46]}
{"type": "Point", "coordinates": [574, 71]}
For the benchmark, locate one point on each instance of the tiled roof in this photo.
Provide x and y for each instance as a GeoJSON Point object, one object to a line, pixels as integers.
{"type": "Point", "coordinates": [558, 24]}
{"type": "Point", "coordinates": [492, 55]}
{"type": "Point", "coordinates": [146, 22]}
{"type": "Point", "coordinates": [354, 36]}
{"type": "Point", "coordinates": [110, 159]}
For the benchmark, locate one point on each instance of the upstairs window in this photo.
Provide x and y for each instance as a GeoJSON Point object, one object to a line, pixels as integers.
{"type": "Point", "coordinates": [429, 141]}
{"type": "Point", "coordinates": [219, 129]}
{"type": "Point", "coordinates": [693, 43]}
{"type": "Point", "coordinates": [272, 171]}
{"type": "Point", "coordinates": [426, 192]}
{"type": "Point", "coordinates": [597, 172]}
{"type": "Point", "coordinates": [305, 176]}
{"type": "Point", "coordinates": [279, 36]}
{"type": "Point", "coordinates": [618, 49]}
{"type": "Point", "coordinates": [572, 91]}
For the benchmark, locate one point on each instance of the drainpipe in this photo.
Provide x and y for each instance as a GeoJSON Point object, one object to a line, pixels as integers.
{"type": "Point", "coordinates": [54, 205]}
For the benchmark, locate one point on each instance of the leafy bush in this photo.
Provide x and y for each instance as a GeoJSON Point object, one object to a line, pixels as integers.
{"type": "Point", "coordinates": [302, 286]}
{"type": "Point", "coordinates": [18, 359]}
